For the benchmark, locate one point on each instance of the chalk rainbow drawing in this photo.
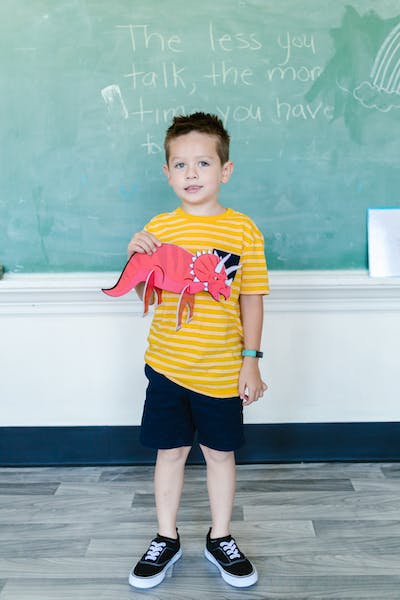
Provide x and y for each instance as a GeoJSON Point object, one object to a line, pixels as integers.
{"type": "Point", "coordinates": [385, 76]}
{"type": "Point", "coordinates": [382, 91]}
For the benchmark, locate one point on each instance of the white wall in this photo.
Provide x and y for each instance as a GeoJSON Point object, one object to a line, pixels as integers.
{"type": "Point", "coordinates": [69, 355]}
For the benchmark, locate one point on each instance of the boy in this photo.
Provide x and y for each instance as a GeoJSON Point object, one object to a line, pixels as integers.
{"type": "Point", "coordinates": [201, 375]}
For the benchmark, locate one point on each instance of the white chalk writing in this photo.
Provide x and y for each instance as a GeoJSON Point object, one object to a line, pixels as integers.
{"type": "Point", "coordinates": [239, 113]}
{"type": "Point", "coordinates": [142, 37]}
{"type": "Point", "coordinates": [227, 42]}
{"type": "Point", "coordinates": [291, 43]}
{"type": "Point", "coordinates": [286, 111]}
{"type": "Point", "coordinates": [167, 74]}
{"type": "Point", "coordinates": [294, 73]}
{"type": "Point", "coordinates": [223, 74]}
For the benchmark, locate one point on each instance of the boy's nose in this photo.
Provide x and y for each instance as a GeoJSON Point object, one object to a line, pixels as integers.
{"type": "Point", "coordinates": [191, 173]}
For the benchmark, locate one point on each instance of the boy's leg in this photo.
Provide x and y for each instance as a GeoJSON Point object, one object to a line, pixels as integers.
{"type": "Point", "coordinates": [221, 482]}
{"type": "Point", "coordinates": [168, 484]}
{"type": "Point", "coordinates": [166, 423]}
{"type": "Point", "coordinates": [164, 550]}
{"type": "Point", "coordinates": [221, 548]}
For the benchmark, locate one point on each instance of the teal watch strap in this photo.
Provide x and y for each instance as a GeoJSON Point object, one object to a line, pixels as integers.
{"type": "Point", "coordinates": [253, 353]}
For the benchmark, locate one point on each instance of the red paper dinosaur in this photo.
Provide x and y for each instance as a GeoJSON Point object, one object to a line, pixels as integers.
{"type": "Point", "coordinates": [174, 269]}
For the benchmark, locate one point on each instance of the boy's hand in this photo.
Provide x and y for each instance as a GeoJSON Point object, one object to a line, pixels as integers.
{"type": "Point", "coordinates": [144, 243]}
{"type": "Point", "coordinates": [251, 386]}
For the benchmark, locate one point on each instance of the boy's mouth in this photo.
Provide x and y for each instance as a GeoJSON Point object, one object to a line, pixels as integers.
{"type": "Point", "coordinates": [193, 188]}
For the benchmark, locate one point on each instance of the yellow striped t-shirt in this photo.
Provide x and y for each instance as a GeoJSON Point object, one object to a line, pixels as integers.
{"type": "Point", "coordinates": [204, 355]}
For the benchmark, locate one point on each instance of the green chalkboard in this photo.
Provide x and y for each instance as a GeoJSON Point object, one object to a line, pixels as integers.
{"type": "Point", "coordinates": [309, 90]}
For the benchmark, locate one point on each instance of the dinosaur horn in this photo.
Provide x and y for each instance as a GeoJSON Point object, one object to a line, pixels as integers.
{"type": "Point", "coordinates": [230, 270]}
{"type": "Point", "coordinates": [221, 263]}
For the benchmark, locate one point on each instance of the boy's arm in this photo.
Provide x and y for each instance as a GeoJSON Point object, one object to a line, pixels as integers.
{"type": "Point", "coordinates": [143, 242]}
{"type": "Point", "coordinates": [252, 313]}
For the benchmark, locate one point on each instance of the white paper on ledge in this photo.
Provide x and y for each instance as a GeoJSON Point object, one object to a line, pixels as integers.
{"type": "Point", "coordinates": [384, 242]}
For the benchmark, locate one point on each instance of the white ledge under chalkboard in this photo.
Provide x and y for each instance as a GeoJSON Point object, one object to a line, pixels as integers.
{"type": "Point", "coordinates": [291, 291]}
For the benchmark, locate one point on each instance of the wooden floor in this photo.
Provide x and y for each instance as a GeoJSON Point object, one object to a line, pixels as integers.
{"type": "Point", "coordinates": [314, 531]}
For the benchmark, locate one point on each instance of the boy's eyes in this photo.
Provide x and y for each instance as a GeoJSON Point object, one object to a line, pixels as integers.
{"type": "Point", "coordinates": [202, 163]}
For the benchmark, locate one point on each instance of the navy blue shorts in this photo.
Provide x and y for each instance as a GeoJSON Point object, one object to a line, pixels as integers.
{"type": "Point", "coordinates": [172, 416]}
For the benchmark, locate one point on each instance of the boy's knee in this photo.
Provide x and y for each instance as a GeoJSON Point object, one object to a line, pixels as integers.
{"type": "Point", "coordinates": [216, 456]}
{"type": "Point", "coordinates": [174, 454]}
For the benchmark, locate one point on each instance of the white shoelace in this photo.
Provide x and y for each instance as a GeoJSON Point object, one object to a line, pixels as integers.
{"type": "Point", "coordinates": [154, 550]}
{"type": "Point", "coordinates": [231, 549]}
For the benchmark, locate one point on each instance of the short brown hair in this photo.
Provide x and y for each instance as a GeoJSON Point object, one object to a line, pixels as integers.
{"type": "Point", "coordinates": [203, 123]}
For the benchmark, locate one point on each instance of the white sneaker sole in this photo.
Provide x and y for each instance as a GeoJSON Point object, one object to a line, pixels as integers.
{"type": "Point", "coordinates": [234, 580]}
{"type": "Point", "coordinates": [145, 583]}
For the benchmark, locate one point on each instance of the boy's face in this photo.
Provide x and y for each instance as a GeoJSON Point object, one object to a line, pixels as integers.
{"type": "Point", "coordinates": [195, 172]}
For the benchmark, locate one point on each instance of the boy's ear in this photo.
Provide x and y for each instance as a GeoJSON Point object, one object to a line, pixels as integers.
{"type": "Point", "coordinates": [166, 170]}
{"type": "Point", "coordinates": [227, 171]}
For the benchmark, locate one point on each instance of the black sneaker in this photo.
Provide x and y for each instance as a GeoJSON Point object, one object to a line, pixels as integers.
{"type": "Point", "coordinates": [151, 569]}
{"type": "Point", "coordinates": [234, 567]}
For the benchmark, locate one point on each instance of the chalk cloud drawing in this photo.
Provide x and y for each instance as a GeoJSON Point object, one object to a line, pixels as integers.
{"type": "Point", "coordinates": [383, 90]}
{"type": "Point", "coordinates": [113, 98]}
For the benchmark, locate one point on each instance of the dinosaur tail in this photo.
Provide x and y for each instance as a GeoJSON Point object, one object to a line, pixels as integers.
{"type": "Point", "coordinates": [125, 283]}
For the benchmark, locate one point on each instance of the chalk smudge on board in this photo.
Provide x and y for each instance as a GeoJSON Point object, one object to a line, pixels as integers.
{"type": "Point", "coordinates": [112, 94]}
